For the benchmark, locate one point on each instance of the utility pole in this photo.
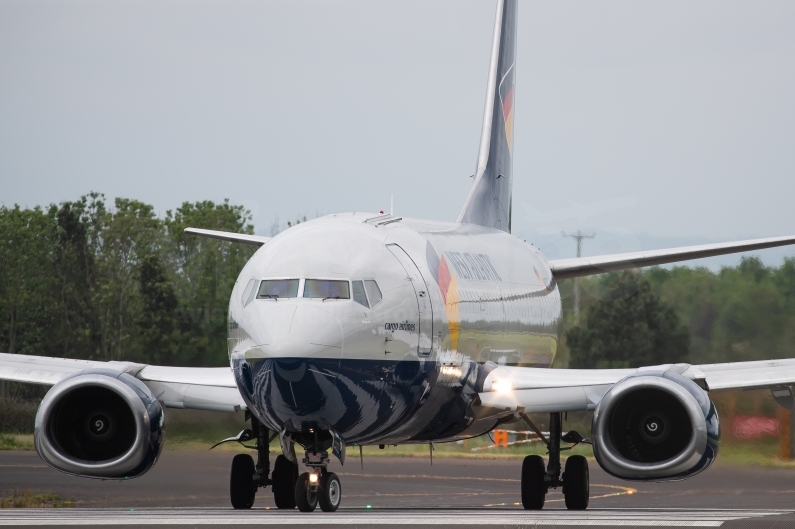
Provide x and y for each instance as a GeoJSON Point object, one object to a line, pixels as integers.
{"type": "Point", "coordinates": [579, 236]}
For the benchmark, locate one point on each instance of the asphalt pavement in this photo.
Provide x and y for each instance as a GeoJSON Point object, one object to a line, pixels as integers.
{"type": "Point", "coordinates": [191, 488]}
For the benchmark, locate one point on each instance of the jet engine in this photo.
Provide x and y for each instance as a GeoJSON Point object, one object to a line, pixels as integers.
{"type": "Point", "coordinates": [100, 423]}
{"type": "Point", "coordinates": [655, 426]}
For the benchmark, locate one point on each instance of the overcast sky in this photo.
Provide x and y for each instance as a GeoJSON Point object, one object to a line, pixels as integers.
{"type": "Point", "coordinates": [650, 123]}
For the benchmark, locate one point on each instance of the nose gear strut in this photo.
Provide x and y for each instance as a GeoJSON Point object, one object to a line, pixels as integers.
{"type": "Point", "coordinates": [318, 486]}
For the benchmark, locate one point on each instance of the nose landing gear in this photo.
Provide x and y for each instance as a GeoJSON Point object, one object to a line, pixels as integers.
{"type": "Point", "coordinates": [307, 491]}
{"type": "Point", "coordinates": [319, 486]}
{"type": "Point", "coordinates": [536, 481]}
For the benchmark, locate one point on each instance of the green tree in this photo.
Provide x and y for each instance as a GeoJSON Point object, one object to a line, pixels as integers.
{"type": "Point", "coordinates": [75, 274]}
{"type": "Point", "coordinates": [26, 281]}
{"type": "Point", "coordinates": [696, 294]}
{"type": "Point", "coordinates": [125, 234]}
{"type": "Point", "coordinates": [629, 327]}
{"type": "Point", "coordinates": [205, 272]}
{"type": "Point", "coordinates": [159, 331]}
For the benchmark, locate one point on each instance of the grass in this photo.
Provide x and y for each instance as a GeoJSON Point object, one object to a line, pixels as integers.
{"type": "Point", "coordinates": [32, 500]}
{"type": "Point", "coordinates": [479, 448]}
{"type": "Point", "coordinates": [762, 453]}
{"type": "Point", "coordinates": [16, 442]}
{"type": "Point", "coordinates": [188, 430]}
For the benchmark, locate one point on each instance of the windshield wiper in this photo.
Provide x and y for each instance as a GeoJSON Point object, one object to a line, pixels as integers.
{"type": "Point", "coordinates": [333, 297]}
{"type": "Point", "coordinates": [272, 296]}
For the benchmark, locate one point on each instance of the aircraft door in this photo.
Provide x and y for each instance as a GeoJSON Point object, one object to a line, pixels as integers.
{"type": "Point", "coordinates": [425, 331]}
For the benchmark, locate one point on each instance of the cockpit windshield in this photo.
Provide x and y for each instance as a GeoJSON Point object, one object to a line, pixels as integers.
{"type": "Point", "coordinates": [278, 288]}
{"type": "Point", "coordinates": [373, 292]}
{"type": "Point", "coordinates": [326, 289]}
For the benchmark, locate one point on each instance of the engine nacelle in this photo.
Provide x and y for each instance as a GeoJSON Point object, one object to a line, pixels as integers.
{"type": "Point", "coordinates": [655, 426]}
{"type": "Point", "coordinates": [101, 424]}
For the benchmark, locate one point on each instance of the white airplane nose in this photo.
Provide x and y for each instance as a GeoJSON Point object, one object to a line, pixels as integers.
{"type": "Point", "coordinates": [300, 332]}
{"type": "Point", "coordinates": [300, 355]}
{"type": "Point", "coordinates": [303, 332]}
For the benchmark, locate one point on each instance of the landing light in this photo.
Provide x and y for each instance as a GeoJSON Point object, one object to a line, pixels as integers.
{"type": "Point", "coordinates": [502, 386]}
{"type": "Point", "coordinates": [453, 371]}
{"type": "Point", "coordinates": [312, 478]}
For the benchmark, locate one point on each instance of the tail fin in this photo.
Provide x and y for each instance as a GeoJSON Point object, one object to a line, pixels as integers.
{"type": "Point", "coordinates": [489, 201]}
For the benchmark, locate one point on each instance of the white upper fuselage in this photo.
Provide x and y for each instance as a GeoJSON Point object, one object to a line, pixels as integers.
{"type": "Point", "coordinates": [453, 296]}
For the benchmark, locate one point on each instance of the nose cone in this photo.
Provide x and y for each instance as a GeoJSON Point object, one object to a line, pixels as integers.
{"type": "Point", "coordinates": [296, 364]}
{"type": "Point", "coordinates": [301, 332]}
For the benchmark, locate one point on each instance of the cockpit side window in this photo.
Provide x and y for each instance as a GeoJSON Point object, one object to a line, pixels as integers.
{"type": "Point", "coordinates": [358, 293]}
{"type": "Point", "coordinates": [278, 288]}
{"type": "Point", "coordinates": [250, 292]}
{"type": "Point", "coordinates": [373, 292]}
{"type": "Point", "coordinates": [327, 289]}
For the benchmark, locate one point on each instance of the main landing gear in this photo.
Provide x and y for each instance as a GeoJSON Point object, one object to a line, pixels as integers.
{"type": "Point", "coordinates": [246, 477]}
{"type": "Point", "coordinates": [536, 480]}
{"type": "Point", "coordinates": [307, 491]}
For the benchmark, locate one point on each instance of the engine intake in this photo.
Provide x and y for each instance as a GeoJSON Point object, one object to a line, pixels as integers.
{"type": "Point", "coordinates": [655, 426]}
{"type": "Point", "coordinates": [100, 423]}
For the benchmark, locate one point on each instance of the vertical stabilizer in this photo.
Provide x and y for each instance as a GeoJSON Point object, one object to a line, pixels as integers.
{"type": "Point", "coordinates": [489, 201]}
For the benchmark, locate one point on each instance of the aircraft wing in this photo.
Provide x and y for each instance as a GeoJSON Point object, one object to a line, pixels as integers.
{"type": "Point", "coordinates": [538, 390]}
{"type": "Point", "coordinates": [244, 238]}
{"type": "Point", "coordinates": [198, 388]}
{"type": "Point", "coordinates": [585, 266]}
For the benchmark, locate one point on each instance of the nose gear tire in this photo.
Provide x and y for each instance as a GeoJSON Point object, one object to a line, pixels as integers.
{"type": "Point", "coordinates": [241, 482]}
{"type": "Point", "coordinates": [283, 478]}
{"type": "Point", "coordinates": [305, 497]}
{"type": "Point", "coordinates": [329, 492]}
{"type": "Point", "coordinates": [576, 489]}
{"type": "Point", "coordinates": [534, 489]}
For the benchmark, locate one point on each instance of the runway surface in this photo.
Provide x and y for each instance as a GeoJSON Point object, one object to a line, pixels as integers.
{"type": "Point", "coordinates": [191, 488]}
{"type": "Point", "coordinates": [462, 518]}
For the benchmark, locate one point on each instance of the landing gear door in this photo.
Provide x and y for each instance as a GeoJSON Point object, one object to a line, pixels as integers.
{"type": "Point", "coordinates": [425, 333]}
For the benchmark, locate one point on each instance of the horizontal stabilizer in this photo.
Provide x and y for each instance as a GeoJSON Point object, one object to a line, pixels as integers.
{"type": "Point", "coordinates": [244, 238]}
{"type": "Point", "coordinates": [586, 266]}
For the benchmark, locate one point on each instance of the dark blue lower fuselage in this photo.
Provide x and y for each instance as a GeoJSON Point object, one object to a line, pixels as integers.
{"type": "Point", "coordinates": [363, 401]}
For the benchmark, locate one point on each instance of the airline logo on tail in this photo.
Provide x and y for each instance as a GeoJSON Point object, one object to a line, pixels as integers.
{"type": "Point", "coordinates": [506, 91]}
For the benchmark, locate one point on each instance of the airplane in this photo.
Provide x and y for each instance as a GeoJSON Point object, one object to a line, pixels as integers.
{"type": "Point", "coordinates": [371, 329]}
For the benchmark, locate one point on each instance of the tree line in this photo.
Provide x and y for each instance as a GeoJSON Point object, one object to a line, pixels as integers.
{"type": "Point", "coordinates": [92, 280]}
{"type": "Point", "coordinates": [683, 314]}
{"type": "Point", "coordinates": [85, 279]}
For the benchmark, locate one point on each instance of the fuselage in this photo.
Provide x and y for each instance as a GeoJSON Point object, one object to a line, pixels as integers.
{"type": "Point", "coordinates": [382, 329]}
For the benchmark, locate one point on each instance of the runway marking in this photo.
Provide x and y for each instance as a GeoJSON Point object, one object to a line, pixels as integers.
{"type": "Point", "coordinates": [509, 517]}
{"type": "Point", "coordinates": [422, 476]}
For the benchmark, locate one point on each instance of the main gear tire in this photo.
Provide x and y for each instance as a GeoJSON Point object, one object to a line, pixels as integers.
{"type": "Point", "coordinates": [283, 478]}
{"type": "Point", "coordinates": [241, 482]}
{"type": "Point", "coordinates": [534, 487]}
{"type": "Point", "coordinates": [576, 487]}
